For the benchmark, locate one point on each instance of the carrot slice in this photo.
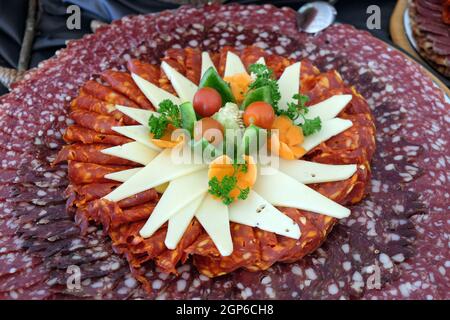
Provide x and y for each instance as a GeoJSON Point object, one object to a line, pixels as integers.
{"type": "Point", "coordinates": [239, 85]}
{"type": "Point", "coordinates": [223, 166]}
{"type": "Point", "coordinates": [166, 140]}
{"type": "Point", "coordinates": [285, 141]}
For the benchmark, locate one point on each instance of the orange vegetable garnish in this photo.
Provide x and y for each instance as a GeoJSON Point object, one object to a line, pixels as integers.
{"type": "Point", "coordinates": [286, 141]}
{"type": "Point", "coordinates": [239, 85]}
{"type": "Point", "coordinates": [223, 166]}
{"type": "Point", "coordinates": [166, 140]}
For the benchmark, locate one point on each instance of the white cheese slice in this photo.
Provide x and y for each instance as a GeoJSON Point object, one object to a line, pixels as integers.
{"type": "Point", "coordinates": [123, 175]}
{"type": "Point", "coordinates": [133, 151]}
{"type": "Point", "coordinates": [312, 172]}
{"type": "Point", "coordinates": [327, 109]}
{"type": "Point", "coordinates": [179, 222]}
{"type": "Point", "coordinates": [154, 93]}
{"type": "Point", "coordinates": [261, 60]}
{"type": "Point", "coordinates": [255, 211]}
{"type": "Point", "coordinates": [233, 65]}
{"type": "Point", "coordinates": [289, 84]}
{"type": "Point", "coordinates": [206, 63]}
{"type": "Point", "coordinates": [178, 195]}
{"type": "Point", "coordinates": [160, 170]}
{"type": "Point", "coordinates": [213, 216]}
{"type": "Point", "coordinates": [329, 129]}
{"type": "Point", "coordinates": [139, 115]}
{"type": "Point", "coordinates": [281, 190]}
{"type": "Point", "coordinates": [138, 133]}
{"type": "Point", "coordinates": [184, 87]}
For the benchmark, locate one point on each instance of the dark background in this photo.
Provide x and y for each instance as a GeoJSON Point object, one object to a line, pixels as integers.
{"type": "Point", "coordinates": [52, 32]}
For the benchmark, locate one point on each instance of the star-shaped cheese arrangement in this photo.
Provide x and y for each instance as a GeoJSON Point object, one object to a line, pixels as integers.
{"type": "Point", "coordinates": [187, 196]}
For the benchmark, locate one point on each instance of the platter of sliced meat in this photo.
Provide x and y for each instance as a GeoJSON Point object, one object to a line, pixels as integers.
{"type": "Point", "coordinates": [216, 152]}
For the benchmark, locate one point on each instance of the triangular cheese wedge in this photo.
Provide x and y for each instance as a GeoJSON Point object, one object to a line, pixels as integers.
{"type": "Point", "coordinates": [213, 216]}
{"type": "Point", "coordinates": [312, 172]}
{"type": "Point", "coordinates": [255, 211]}
{"type": "Point", "coordinates": [206, 63]}
{"type": "Point", "coordinates": [281, 190]}
{"type": "Point", "coordinates": [261, 60]}
{"type": "Point", "coordinates": [233, 65]}
{"type": "Point", "coordinates": [122, 176]}
{"type": "Point", "coordinates": [289, 84]}
{"type": "Point", "coordinates": [180, 221]}
{"type": "Point", "coordinates": [154, 93]}
{"type": "Point", "coordinates": [327, 109]}
{"type": "Point", "coordinates": [138, 133]}
{"type": "Point", "coordinates": [133, 151]}
{"type": "Point", "coordinates": [184, 87]}
{"type": "Point", "coordinates": [178, 195]}
{"type": "Point", "coordinates": [160, 170]}
{"type": "Point", "coordinates": [330, 128]}
{"type": "Point", "coordinates": [139, 115]}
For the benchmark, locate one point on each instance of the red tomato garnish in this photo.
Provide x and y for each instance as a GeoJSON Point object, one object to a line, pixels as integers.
{"type": "Point", "coordinates": [260, 114]}
{"type": "Point", "coordinates": [207, 101]}
{"type": "Point", "coordinates": [210, 129]}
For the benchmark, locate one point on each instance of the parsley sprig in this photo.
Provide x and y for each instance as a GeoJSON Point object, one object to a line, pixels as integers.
{"type": "Point", "coordinates": [264, 77]}
{"type": "Point", "coordinates": [169, 114]}
{"type": "Point", "coordinates": [298, 109]}
{"type": "Point", "coordinates": [222, 188]}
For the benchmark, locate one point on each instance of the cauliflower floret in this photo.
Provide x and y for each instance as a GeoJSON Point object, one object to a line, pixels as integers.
{"type": "Point", "coordinates": [230, 117]}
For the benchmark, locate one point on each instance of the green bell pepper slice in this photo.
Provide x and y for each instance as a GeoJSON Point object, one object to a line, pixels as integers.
{"type": "Point", "coordinates": [211, 79]}
{"type": "Point", "coordinates": [260, 94]}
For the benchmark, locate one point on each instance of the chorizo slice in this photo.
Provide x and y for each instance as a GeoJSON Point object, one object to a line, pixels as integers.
{"type": "Point", "coordinates": [140, 198]}
{"type": "Point", "coordinates": [89, 192]}
{"type": "Point", "coordinates": [90, 153]}
{"type": "Point", "coordinates": [251, 54]}
{"type": "Point", "coordinates": [169, 259]}
{"type": "Point", "coordinates": [193, 64]}
{"type": "Point", "coordinates": [94, 121]}
{"type": "Point", "coordinates": [246, 251]}
{"type": "Point", "coordinates": [123, 83]}
{"type": "Point", "coordinates": [90, 103]}
{"type": "Point", "coordinates": [107, 94]}
{"type": "Point", "coordinates": [77, 133]}
{"type": "Point", "coordinates": [147, 71]}
{"type": "Point", "coordinates": [81, 172]}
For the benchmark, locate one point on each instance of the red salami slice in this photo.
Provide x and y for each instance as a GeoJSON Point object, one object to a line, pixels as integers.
{"type": "Point", "coordinates": [122, 82]}
{"type": "Point", "coordinates": [26, 278]}
{"type": "Point", "coordinates": [8, 245]}
{"type": "Point", "coordinates": [39, 291]}
{"type": "Point", "coordinates": [90, 153]}
{"type": "Point", "coordinates": [80, 134]}
{"type": "Point", "coordinates": [13, 262]}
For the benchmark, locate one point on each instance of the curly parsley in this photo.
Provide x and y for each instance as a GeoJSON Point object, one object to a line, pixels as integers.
{"type": "Point", "coordinates": [311, 125]}
{"type": "Point", "coordinates": [298, 109]}
{"type": "Point", "coordinates": [264, 77]}
{"type": "Point", "coordinates": [222, 188]}
{"type": "Point", "coordinates": [169, 113]}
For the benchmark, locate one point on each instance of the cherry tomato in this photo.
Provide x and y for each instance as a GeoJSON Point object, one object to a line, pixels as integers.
{"type": "Point", "coordinates": [207, 101]}
{"type": "Point", "coordinates": [210, 129]}
{"type": "Point", "coordinates": [260, 114]}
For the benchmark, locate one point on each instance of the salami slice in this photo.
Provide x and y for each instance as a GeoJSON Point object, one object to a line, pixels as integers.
{"type": "Point", "coordinates": [81, 172]}
{"type": "Point", "coordinates": [107, 94]}
{"type": "Point", "coordinates": [123, 83]}
{"type": "Point", "coordinates": [89, 153]}
{"type": "Point", "coordinates": [99, 123]}
{"type": "Point", "coordinates": [93, 104]}
{"type": "Point", "coordinates": [80, 134]}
